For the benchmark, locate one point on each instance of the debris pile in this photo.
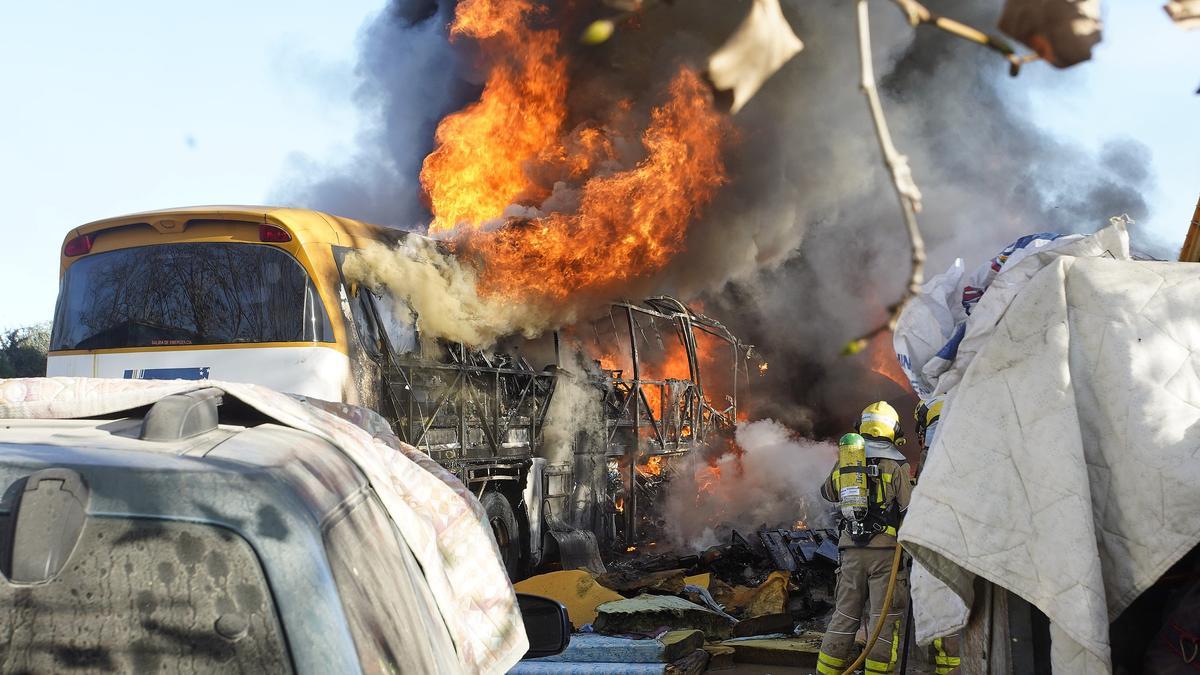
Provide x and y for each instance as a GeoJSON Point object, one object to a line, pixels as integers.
{"type": "Point", "coordinates": [758, 599]}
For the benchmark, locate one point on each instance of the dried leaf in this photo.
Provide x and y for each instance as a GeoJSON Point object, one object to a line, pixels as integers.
{"type": "Point", "coordinates": [1186, 13]}
{"type": "Point", "coordinates": [1062, 32]}
{"type": "Point", "coordinates": [759, 48]}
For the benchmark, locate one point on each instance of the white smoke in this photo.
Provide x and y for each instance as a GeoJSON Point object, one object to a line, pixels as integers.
{"type": "Point", "coordinates": [574, 411]}
{"type": "Point", "coordinates": [443, 293]}
{"type": "Point", "coordinates": [776, 481]}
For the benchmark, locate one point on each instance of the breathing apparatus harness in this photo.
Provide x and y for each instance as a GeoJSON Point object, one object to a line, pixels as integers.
{"type": "Point", "coordinates": [860, 493]}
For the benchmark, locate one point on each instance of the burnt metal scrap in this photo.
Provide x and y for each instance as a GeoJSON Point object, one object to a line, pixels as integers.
{"type": "Point", "coordinates": [753, 558]}
{"type": "Point", "coordinates": [749, 559]}
{"type": "Point", "coordinates": [790, 549]}
{"type": "Point", "coordinates": [667, 380]}
{"type": "Point", "coordinates": [810, 557]}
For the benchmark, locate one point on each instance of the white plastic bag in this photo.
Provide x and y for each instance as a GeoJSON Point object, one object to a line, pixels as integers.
{"type": "Point", "coordinates": [932, 326]}
{"type": "Point", "coordinates": [927, 324]}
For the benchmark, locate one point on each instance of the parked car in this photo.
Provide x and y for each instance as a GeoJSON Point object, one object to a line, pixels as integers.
{"type": "Point", "coordinates": [199, 535]}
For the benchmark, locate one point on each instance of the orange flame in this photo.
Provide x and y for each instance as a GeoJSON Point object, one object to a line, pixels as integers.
{"type": "Point", "coordinates": [519, 115]}
{"type": "Point", "coordinates": [707, 477]}
{"type": "Point", "coordinates": [628, 223]}
{"type": "Point", "coordinates": [608, 362]}
{"type": "Point", "coordinates": [674, 366]}
{"type": "Point", "coordinates": [652, 467]}
{"type": "Point", "coordinates": [713, 361]}
{"type": "Point", "coordinates": [883, 361]}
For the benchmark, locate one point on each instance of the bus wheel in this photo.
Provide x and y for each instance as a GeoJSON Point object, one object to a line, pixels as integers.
{"type": "Point", "coordinates": [504, 529]}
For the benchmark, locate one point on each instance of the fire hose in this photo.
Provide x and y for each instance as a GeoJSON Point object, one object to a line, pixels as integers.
{"type": "Point", "coordinates": [883, 613]}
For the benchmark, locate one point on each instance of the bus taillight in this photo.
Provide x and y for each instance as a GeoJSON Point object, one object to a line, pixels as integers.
{"type": "Point", "coordinates": [79, 245]}
{"type": "Point", "coordinates": [272, 234]}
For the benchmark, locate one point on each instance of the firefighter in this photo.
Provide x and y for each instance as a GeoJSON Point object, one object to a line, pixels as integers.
{"type": "Point", "coordinates": [945, 656]}
{"type": "Point", "coordinates": [927, 415]}
{"type": "Point", "coordinates": [873, 472]}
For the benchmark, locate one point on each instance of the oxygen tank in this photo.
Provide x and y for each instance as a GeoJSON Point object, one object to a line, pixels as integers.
{"type": "Point", "coordinates": [853, 492]}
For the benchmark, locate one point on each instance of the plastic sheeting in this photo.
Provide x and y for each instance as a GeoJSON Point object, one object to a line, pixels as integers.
{"type": "Point", "coordinates": [933, 324]}
{"type": "Point", "coordinates": [1064, 465]}
{"type": "Point", "coordinates": [443, 524]}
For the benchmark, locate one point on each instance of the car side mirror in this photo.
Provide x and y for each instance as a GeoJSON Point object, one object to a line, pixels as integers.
{"type": "Point", "coordinates": [546, 625]}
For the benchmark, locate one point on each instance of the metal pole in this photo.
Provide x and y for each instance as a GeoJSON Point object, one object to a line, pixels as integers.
{"type": "Point", "coordinates": [462, 402]}
{"type": "Point", "coordinates": [632, 451]}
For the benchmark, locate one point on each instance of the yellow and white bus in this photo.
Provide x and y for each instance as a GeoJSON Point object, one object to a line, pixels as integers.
{"type": "Point", "coordinates": [225, 293]}
{"type": "Point", "coordinates": [256, 294]}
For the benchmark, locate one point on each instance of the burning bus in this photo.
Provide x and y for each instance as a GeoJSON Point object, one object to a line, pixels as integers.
{"type": "Point", "coordinates": [250, 294]}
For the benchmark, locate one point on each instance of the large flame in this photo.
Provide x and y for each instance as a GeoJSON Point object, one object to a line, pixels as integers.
{"type": "Point", "coordinates": [477, 169]}
{"type": "Point", "coordinates": [499, 160]}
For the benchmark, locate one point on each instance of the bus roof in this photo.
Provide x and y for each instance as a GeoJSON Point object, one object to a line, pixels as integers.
{"type": "Point", "coordinates": [306, 225]}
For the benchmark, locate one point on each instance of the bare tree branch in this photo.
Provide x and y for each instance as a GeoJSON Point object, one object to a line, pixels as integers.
{"type": "Point", "coordinates": [902, 180]}
{"type": "Point", "coordinates": [918, 14]}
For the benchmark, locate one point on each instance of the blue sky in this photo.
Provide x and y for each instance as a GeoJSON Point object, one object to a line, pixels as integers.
{"type": "Point", "coordinates": [116, 107]}
{"type": "Point", "coordinates": [110, 108]}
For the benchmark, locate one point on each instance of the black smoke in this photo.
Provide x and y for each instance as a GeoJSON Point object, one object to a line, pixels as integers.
{"type": "Point", "coordinates": [805, 248]}
{"type": "Point", "coordinates": [410, 77]}
{"type": "Point", "coordinates": [987, 172]}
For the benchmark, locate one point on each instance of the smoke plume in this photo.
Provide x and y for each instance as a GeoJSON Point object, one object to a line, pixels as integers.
{"type": "Point", "coordinates": [443, 292]}
{"type": "Point", "coordinates": [574, 410]}
{"type": "Point", "coordinates": [410, 77]}
{"type": "Point", "coordinates": [775, 481]}
{"type": "Point", "coordinates": [803, 248]}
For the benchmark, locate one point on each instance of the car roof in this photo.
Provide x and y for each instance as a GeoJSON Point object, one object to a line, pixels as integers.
{"type": "Point", "coordinates": [314, 473]}
{"type": "Point", "coordinates": [277, 487]}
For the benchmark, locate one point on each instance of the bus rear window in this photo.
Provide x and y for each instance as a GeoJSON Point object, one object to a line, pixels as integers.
{"type": "Point", "coordinates": [187, 294]}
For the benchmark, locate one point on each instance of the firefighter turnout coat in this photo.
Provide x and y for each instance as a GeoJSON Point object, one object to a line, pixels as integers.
{"type": "Point", "coordinates": [864, 572]}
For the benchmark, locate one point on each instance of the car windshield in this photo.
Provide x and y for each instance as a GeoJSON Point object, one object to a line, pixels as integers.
{"type": "Point", "coordinates": [187, 294]}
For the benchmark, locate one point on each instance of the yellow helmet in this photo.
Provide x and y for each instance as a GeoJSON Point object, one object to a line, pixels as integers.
{"type": "Point", "coordinates": [879, 420]}
{"type": "Point", "coordinates": [927, 414]}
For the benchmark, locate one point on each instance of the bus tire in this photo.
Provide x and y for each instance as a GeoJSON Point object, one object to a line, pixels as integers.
{"type": "Point", "coordinates": [505, 530]}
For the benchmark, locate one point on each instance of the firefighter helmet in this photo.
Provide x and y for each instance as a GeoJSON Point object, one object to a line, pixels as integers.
{"type": "Point", "coordinates": [879, 421]}
{"type": "Point", "coordinates": [927, 414]}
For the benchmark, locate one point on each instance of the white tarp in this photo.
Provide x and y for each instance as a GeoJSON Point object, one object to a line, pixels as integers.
{"type": "Point", "coordinates": [1064, 467]}
{"type": "Point", "coordinates": [442, 523]}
